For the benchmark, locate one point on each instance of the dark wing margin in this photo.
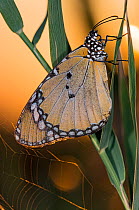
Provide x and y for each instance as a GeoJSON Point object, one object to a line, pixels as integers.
{"type": "Point", "coordinates": [65, 104]}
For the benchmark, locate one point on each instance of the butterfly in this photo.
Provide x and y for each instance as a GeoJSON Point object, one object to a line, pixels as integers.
{"type": "Point", "coordinates": [72, 101]}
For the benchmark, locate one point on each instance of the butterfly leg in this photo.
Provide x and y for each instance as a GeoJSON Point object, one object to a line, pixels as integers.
{"type": "Point", "coordinates": [114, 38]}
{"type": "Point", "coordinates": [111, 61]}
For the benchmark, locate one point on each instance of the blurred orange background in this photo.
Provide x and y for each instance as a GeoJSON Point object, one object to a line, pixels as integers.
{"type": "Point", "coordinates": [21, 72]}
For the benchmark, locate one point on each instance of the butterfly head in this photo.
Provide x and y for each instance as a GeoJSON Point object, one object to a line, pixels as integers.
{"type": "Point", "coordinates": [95, 46]}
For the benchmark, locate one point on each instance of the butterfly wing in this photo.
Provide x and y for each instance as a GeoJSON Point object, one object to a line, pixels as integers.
{"type": "Point", "coordinates": [73, 100]}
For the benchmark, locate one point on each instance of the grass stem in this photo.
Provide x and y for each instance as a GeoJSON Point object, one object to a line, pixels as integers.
{"type": "Point", "coordinates": [34, 50]}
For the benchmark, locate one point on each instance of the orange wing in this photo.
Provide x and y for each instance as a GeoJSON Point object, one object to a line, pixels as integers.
{"type": "Point", "coordinates": [73, 100]}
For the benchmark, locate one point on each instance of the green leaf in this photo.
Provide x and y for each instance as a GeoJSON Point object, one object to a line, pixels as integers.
{"type": "Point", "coordinates": [132, 97]}
{"type": "Point", "coordinates": [11, 15]}
{"type": "Point", "coordinates": [113, 161]}
{"type": "Point", "coordinates": [132, 75]}
{"type": "Point", "coordinates": [34, 51]}
{"type": "Point", "coordinates": [128, 126]}
{"type": "Point", "coordinates": [106, 131]}
{"type": "Point", "coordinates": [118, 42]}
{"type": "Point", "coordinates": [115, 155]}
{"type": "Point", "coordinates": [116, 169]}
{"type": "Point", "coordinates": [39, 32]}
{"type": "Point", "coordinates": [135, 204]}
{"type": "Point", "coordinates": [13, 19]}
{"type": "Point", "coordinates": [59, 46]}
{"type": "Point", "coordinates": [108, 128]}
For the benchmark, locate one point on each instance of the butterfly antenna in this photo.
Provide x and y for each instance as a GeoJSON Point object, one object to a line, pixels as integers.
{"type": "Point", "coordinates": [113, 16]}
{"type": "Point", "coordinates": [105, 20]}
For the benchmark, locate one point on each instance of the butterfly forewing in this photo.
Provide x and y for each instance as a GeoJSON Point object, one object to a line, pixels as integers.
{"type": "Point", "coordinates": [73, 100]}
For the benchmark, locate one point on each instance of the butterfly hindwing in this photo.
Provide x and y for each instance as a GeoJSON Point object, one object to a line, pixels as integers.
{"type": "Point", "coordinates": [73, 100]}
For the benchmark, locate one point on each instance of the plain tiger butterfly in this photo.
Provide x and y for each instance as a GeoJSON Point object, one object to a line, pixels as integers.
{"type": "Point", "coordinates": [72, 101]}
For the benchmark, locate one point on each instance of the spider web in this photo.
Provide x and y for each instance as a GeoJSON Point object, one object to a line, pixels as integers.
{"type": "Point", "coordinates": [26, 181]}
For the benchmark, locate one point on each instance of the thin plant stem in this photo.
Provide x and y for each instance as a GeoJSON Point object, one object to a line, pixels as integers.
{"type": "Point", "coordinates": [111, 171]}
{"type": "Point", "coordinates": [34, 50]}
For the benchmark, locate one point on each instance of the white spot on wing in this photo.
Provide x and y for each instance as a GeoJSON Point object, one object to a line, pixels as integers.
{"type": "Point", "coordinates": [40, 101]}
{"type": "Point", "coordinates": [40, 111]}
{"type": "Point", "coordinates": [43, 141]}
{"type": "Point", "coordinates": [94, 128]}
{"type": "Point", "coordinates": [36, 115]}
{"type": "Point", "coordinates": [56, 129]}
{"type": "Point", "coordinates": [48, 78]}
{"type": "Point", "coordinates": [41, 125]}
{"type": "Point", "coordinates": [17, 138]}
{"type": "Point", "coordinates": [44, 117]}
{"type": "Point", "coordinates": [64, 60]}
{"type": "Point", "coordinates": [63, 134]}
{"type": "Point", "coordinates": [49, 125]}
{"type": "Point", "coordinates": [88, 131]}
{"type": "Point", "coordinates": [55, 72]}
{"type": "Point", "coordinates": [50, 138]}
{"type": "Point", "coordinates": [40, 85]}
{"type": "Point", "coordinates": [50, 133]}
{"type": "Point", "coordinates": [19, 121]}
{"type": "Point", "coordinates": [80, 133]}
{"type": "Point", "coordinates": [57, 136]}
{"type": "Point", "coordinates": [72, 133]}
{"type": "Point", "coordinates": [33, 106]}
{"type": "Point", "coordinates": [23, 142]}
{"type": "Point", "coordinates": [33, 98]}
{"type": "Point", "coordinates": [18, 130]}
{"type": "Point", "coordinates": [101, 124]}
{"type": "Point", "coordinates": [39, 95]}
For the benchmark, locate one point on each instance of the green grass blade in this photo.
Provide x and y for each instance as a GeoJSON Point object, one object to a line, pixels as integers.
{"type": "Point", "coordinates": [108, 128]}
{"type": "Point", "coordinates": [113, 161]}
{"type": "Point", "coordinates": [35, 51]}
{"type": "Point", "coordinates": [135, 205]}
{"type": "Point", "coordinates": [11, 15]}
{"type": "Point", "coordinates": [59, 46]}
{"type": "Point", "coordinates": [39, 32]}
{"type": "Point", "coordinates": [132, 96]}
{"type": "Point", "coordinates": [106, 131]}
{"type": "Point", "coordinates": [128, 126]}
{"type": "Point", "coordinates": [132, 75]}
{"type": "Point", "coordinates": [115, 155]}
{"type": "Point", "coordinates": [13, 19]}
{"type": "Point", "coordinates": [118, 42]}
